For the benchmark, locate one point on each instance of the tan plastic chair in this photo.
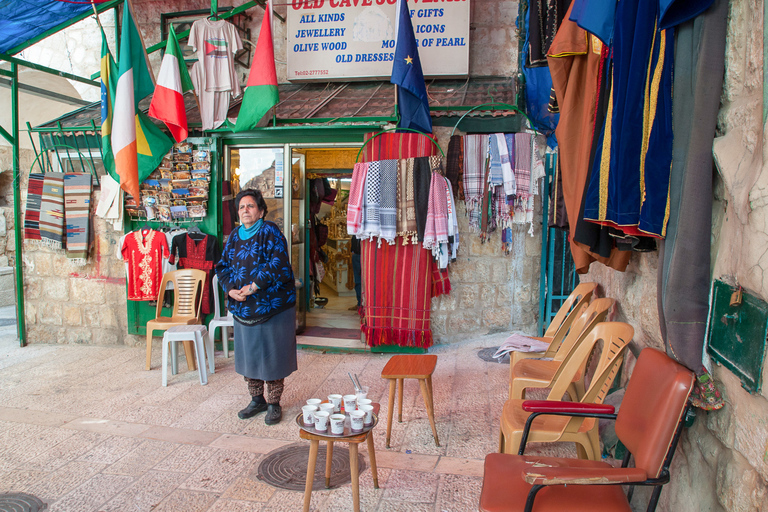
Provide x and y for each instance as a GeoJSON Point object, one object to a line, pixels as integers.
{"type": "Point", "coordinates": [615, 337]}
{"type": "Point", "coordinates": [558, 328]}
{"type": "Point", "coordinates": [539, 373]}
{"type": "Point", "coordinates": [187, 299]}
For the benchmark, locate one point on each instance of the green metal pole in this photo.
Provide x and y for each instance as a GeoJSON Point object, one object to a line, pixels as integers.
{"type": "Point", "coordinates": [214, 7]}
{"type": "Point", "coordinates": [20, 320]}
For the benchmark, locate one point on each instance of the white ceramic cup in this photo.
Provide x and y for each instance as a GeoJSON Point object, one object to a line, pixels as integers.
{"type": "Point", "coordinates": [350, 403]}
{"type": "Point", "coordinates": [327, 407]}
{"type": "Point", "coordinates": [368, 410]}
{"type": "Point", "coordinates": [363, 401]}
{"type": "Point", "coordinates": [309, 414]}
{"type": "Point", "coordinates": [337, 423]}
{"type": "Point", "coordinates": [363, 393]}
{"type": "Point", "coordinates": [321, 421]}
{"type": "Point", "coordinates": [336, 401]}
{"type": "Point", "coordinates": [314, 401]}
{"type": "Point", "coordinates": [356, 420]}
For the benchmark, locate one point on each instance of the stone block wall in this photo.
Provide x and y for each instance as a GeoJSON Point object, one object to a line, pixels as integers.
{"type": "Point", "coordinates": [491, 292]}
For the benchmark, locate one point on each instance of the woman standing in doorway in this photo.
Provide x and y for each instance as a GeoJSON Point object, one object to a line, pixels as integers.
{"type": "Point", "coordinates": [256, 273]}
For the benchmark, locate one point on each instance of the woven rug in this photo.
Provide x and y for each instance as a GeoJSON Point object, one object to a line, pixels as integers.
{"type": "Point", "coordinates": [52, 210]}
{"type": "Point", "coordinates": [397, 146]}
{"type": "Point", "coordinates": [77, 203]}
{"type": "Point", "coordinates": [32, 211]}
{"type": "Point", "coordinates": [397, 284]}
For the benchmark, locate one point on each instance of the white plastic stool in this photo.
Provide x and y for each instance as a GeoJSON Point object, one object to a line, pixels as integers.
{"type": "Point", "coordinates": [203, 344]}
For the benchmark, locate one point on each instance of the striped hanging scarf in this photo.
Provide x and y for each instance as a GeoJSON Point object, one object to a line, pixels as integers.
{"type": "Point", "coordinates": [510, 188]}
{"type": "Point", "coordinates": [495, 174]}
{"type": "Point", "coordinates": [52, 210]}
{"type": "Point", "coordinates": [356, 199]}
{"type": "Point", "coordinates": [436, 231]}
{"type": "Point", "coordinates": [454, 165]}
{"type": "Point", "coordinates": [371, 223]}
{"type": "Point", "coordinates": [77, 203]}
{"type": "Point", "coordinates": [388, 202]}
{"type": "Point", "coordinates": [422, 176]}
{"type": "Point", "coordinates": [475, 152]}
{"type": "Point", "coordinates": [406, 204]}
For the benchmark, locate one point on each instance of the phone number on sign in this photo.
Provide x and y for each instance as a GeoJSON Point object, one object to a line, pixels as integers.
{"type": "Point", "coordinates": [311, 72]}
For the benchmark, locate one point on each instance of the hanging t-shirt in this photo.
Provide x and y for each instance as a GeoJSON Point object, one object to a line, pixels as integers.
{"type": "Point", "coordinates": [216, 43]}
{"type": "Point", "coordinates": [213, 105]}
{"type": "Point", "coordinates": [143, 252]}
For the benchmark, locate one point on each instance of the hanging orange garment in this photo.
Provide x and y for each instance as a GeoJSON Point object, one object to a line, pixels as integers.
{"type": "Point", "coordinates": [574, 62]}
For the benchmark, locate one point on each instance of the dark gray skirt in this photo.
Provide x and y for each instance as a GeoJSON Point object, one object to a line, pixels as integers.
{"type": "Point", "coordinates": [267, 351]}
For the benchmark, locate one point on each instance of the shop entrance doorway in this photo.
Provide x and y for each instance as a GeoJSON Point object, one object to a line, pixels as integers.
{"type": "Point", "coordinates": [332, 320]}
{"type": "Point", "coordinates": [309, 204]}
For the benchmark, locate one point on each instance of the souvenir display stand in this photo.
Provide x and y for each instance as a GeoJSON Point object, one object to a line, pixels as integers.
{"type": "Point", "coordinates": [140, 312]}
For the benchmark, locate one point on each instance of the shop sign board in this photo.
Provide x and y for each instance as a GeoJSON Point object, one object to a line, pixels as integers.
{"type": "Point", "coordinates": [355, 39]}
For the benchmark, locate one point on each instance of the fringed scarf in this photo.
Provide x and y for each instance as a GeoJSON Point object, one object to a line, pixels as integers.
{"type": "Point", "coordinates": [510, 188]}
{"type": "Point", "coordinates": [528, 170]}
{"type": "Point", "coordinates": [454, 165]}
{"type": "Point", "coordinates": [388, 208]}
{"type": "Point", "coordinates": [52, 210]}
{"type": "Point", "coordinates": [397, 285]}
{"type": "Point", "coordinates": [453, 223]}
{"type": "Point", "coordinates": [436, 231]}
{"type": "Point", "coordinates": [406, 204]}
{"type": "Point", "coordinates": [356, 199]}
{"type": "Point", "coordinates": [475, 152]}
{"type": "Point", "coordinates": [422, 176]}
{"type": "Point", "coordinates": [34, 203]}
{"type": "Point", "coordinates": [495, 175]}
{"type": "Point", "coordinates": [371, 223]}
{"type": "Point", "coordinates": [77, 203]}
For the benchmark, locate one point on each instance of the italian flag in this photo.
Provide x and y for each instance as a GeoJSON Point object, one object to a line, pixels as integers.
{"type": "Point", "coordinates": [173, 81]}
{"type": "Point", "coordinates": [261, 90]}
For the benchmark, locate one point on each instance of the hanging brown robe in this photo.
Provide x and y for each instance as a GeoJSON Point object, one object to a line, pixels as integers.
{"type": "Point", "coordinates": [574, 62]}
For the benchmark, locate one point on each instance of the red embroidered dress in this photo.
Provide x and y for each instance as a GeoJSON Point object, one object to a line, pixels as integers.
{"type": "Point", "coordinates": [143, 252]}
{"type": "Point", "coordinates": [198, 254]}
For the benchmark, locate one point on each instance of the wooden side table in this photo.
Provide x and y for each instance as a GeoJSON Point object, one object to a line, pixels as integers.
{"type": "Point", "coordinates": [353, 441]}
{"type": "Point", "coordinates": [410, 366]}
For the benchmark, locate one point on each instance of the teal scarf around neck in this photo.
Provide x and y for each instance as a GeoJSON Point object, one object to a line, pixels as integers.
{"type": "Point", "coordinates": [246, 233]}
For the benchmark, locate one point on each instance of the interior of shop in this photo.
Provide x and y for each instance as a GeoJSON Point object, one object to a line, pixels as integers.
{"type": "Point", "coordinates": [321, 250]}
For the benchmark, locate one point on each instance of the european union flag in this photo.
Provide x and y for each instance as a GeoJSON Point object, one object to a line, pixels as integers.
{"type": "Point", "coordinates": [407, 75]}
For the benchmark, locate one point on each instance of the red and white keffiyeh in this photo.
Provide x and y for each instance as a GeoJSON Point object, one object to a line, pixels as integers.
{"type": "Point", "coordinates": [355, 204]}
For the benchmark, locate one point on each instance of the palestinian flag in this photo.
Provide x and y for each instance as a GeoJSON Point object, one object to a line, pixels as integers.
{"type": "Point", "coordinates": [168, 101]}
{"type": "Point", "coordinates": [261, 90]}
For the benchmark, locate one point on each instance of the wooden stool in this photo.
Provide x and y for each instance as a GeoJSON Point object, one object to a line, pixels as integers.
{"type": "Point", "coordinates": [353, 441]}
{"type": "Point", "coordinates": [410, 366]}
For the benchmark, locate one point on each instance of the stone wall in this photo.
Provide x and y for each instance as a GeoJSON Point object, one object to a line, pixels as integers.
{"type": "Point", "coordinates": [722, 461]}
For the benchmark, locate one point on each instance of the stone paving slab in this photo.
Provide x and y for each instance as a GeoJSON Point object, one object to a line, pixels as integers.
{"type": "Point", "coordinates": [86, 428]}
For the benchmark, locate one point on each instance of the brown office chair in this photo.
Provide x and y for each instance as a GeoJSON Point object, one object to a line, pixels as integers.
{"type": "Point", "coordinates": [571, 309]}
{"type": "Point", "coordinates": [187, 299]}
{"type": "Point", "coordinates": [582, 431]}
{"type": "Point", "coordinates": [649, 424]}
{"type": "Point", "coordinates": [538, 373]}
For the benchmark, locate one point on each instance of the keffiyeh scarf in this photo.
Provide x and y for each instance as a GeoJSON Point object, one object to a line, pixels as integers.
{"type": "Point", "coordinates": [388, 202]}
{"type": "Point", "coordinates": [371, 222]}
{"type": "Point", "coordinates": [475, 152]}
{"type": "Point", "coordinates": [406, 204]}
{"type": "Point", "coordinates": [436, 231]}
{"type": "Point", "coordinates": [356, 199]}
{"type": "Point", "coordinates": [422, 176]}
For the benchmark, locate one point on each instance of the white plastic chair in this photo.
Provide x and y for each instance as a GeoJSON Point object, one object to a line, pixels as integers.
{"type": "Point", "coordinates": [220, 321]}
{"type": "Point", "coordinates": [202, 342]}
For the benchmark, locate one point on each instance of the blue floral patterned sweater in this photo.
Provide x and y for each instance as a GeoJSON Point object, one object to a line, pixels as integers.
{"type": "Point", "coordinates": [263, 260]}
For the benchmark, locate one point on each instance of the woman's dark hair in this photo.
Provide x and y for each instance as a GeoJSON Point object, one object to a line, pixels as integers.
{"type": "Point", "coordinates": [256, 195]}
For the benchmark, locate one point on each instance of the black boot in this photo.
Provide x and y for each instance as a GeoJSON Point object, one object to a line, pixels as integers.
{"type": "Point", "coordinates": [274, 414]}
{"type": "Point", "coordinates": [257, 405]}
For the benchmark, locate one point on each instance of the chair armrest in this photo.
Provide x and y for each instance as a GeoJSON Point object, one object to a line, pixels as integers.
{"type": "Point", "coordinates": [553, 406]}
{"type": "Point", "coordinates": [583, 476]}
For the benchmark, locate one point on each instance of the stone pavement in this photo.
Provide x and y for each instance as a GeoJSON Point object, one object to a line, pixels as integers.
{"type": "Point", "coordinates": [86, 428]}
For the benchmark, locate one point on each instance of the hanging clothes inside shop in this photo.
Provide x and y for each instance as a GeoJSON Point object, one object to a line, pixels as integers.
{"type": "Point", "coordinates": [196, 250]}
{"type": "Point", "coordinates": [215, 42]}
{"type": "Point", "coordinates": [545, 18]}
{"type": "Point", "coordinates": [144, 251]}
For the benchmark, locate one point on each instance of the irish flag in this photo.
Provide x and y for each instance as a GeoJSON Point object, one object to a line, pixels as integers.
{"type": "Point", "coordinates": [137, 144]}
{"type": "Point", "coordinates": [261, 90]}
{"type": "Point", "coordinates": [168, 101]}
